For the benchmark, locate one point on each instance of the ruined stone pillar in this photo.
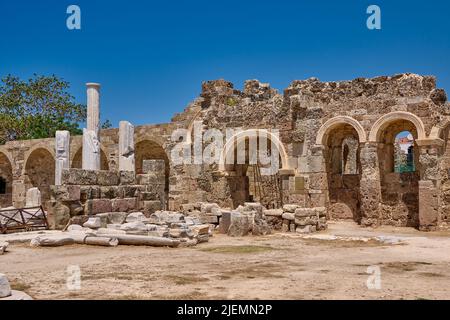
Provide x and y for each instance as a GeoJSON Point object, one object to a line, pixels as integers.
{"type": "Point", "coordinates": [318, 178]}
{"type": "Point", "coordinates": [93, 107]}
{"type": "Point", "coordinates": [370, 186]}
{"type": "Point", "coordinates": [62, 146]}
{"type": "Point", "coordinates": [126, 146]}
{"type": "Point", "coordinates": [429, 184]}
{"type": "Point", "coordinates": [91, 135]}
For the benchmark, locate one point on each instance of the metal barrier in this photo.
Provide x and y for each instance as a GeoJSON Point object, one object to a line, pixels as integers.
{"type": "Point", "coordinates": [23, 219]}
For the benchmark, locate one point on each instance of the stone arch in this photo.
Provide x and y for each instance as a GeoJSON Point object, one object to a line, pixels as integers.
{"type": "Point", "coordinates": [40, 171]}
{"type": "Point", "coordinates": [77, 159]}
{"type": "Point", "coordinates": [6, 178]}
{"type": "Point", "coordinates": [437, 130]}
{"type": "Point", "coordinates": [383, 122]}
{"type": "Point", "coordinates": [329, 125]}
{"type": "Point", "coordinates": [252, 180]}
{"type": "Point", "coordinates": [41, 145]}
{"type": "Point", "coordinates": [241, 136]}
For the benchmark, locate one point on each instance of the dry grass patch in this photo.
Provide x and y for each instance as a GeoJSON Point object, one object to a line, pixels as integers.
{"type": "Point", "coordinates": [403, 266]}
{"type": "Point", "coordinates": [185, 279]}
{"type": "Point", "coordinates": [18, 285]}
{"type": "Point", "coordinates": [238, 249]}
{"type": "Point", "coordinates": [344, 243]}
{"type": "Point", "coordinates": [263, 270]}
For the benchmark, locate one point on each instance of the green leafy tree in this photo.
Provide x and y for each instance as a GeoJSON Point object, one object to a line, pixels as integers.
{"type": "Point", "coordinates": [36, 108]}
{"type": "Point", "coordinates": [107, 124]}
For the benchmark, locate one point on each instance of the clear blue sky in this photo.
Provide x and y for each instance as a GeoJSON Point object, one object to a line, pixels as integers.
{"type": "Point", "coordinates": [151, 57]}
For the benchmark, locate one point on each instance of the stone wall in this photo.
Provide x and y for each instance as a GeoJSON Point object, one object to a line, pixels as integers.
{"type": "Point", "coordinates": [85, 193]}
{"type": "Point", "coordinates": [316, 122]}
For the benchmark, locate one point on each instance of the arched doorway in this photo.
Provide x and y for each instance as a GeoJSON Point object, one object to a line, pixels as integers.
{"type": "Point", "coordinates": [77, 161]}
{"type": "Point", "coordinates": [5, 181]}
{"type": "Point", "coordinates": [398, 159]}
{"type": "Point", "coordinates": [40, 172]}
{"type": "Point", "coordinates": [150, 150]}
{"type": "Point", "coordinates": [251, 161]}
{"type": "Point", "coordinates": [343, 172]}
{"type": "Point", "coordinates": [399, 190]}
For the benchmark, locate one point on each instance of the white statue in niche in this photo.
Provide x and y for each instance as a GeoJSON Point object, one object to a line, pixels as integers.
{"type": "Point", "coordinates": [62, 154]}
{"type": "Point", "coordinates": [91, 150]}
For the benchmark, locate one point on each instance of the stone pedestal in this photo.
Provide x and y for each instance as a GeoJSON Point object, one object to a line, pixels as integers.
{"type": "Point", "coordinates": [33, 198]}
{"type": "Point", "coordinates": [126, 146]}
{"type": "Point", "coordinates": [62, 146]}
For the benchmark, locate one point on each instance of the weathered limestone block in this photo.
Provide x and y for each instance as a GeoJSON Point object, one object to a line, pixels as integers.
{"type": "Point", "coordinates": [290, 208]}
{"type": "Point", "coordinates": [275, 222]}
{"type": "Point", "coordinates": [5, 288]}
{"type": "Point", "coordinates": [107, 178]}
{"type": "Point", "coordinates": [62, 161]}
{"type": "Point", "coordinates": [135, 227]}
{"type": "Point", "coordinates": [65, 193]}
{"type": "Point", "coordinates": [225, 222]}
{"type": "Point", "coordinates": [89, 192]}
{"type": "Point", "coordinates": [58, 214]}
{"type": "Point", "coordinates": [130, 191]}
{"type": "Point", "coordinates": [273, 212]}
{"type": "Point", "coordinates": [103, 219]}
{"type": "Point", "coordinates": [208, 207]}
{"type": "Point", "coordinates": [253, 206]}
{"type": "Point", "coordinates": [149, 178]}
{"type": "Point", "coordinates": [164, 217]}
{"type": "Point", "coordinates": [127, 177]}
{"type": "Point", "coordinates": [3, 247]}
{"type": "Point", "coordinates": [79, 177]}
{"type": "Point", "coordinates": [126, 146]}
{"type": "Point", "coordinates": [124, 205]}
{"type": "Point", "coordinates": [428, 206]}
{"type": "Point", "coordinates": [117, 217]}
{"type": "Point", "coordinates": [76, 208]}
{"type": "Point", "coordinates": [305, 229]}
{"type": "Point", "coordinates": [240, 225]}
{"type": "Point", "coordinates": [109, 192]}
{"type": "Point", "coordinates": [288, 216]}
{"type": "Point", "coordinates": [209, 219]}
{"type": "Point", "coordinates": [33, 198]}
{"type": "Point", "coordinates": [136, 216]}
{"type": "Point", "coordinates": [149, 207]}
{"type": "Point", "coordinates": [260, 227]}
{"type": "Point", "coordinates": [96, 206]}
{"type": "Point", "coordinates": [157, 167]}
{"type": "Point", "coordinates": [93, 223]}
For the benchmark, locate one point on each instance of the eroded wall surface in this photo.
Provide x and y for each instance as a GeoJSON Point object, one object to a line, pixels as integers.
{"type": "Point", "coordinates": [335, 145]}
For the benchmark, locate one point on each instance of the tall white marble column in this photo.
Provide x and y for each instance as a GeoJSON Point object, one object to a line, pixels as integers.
{"type": "Point", "coordinates": [91, 135]}
{"type": "Point", "coordinates": [62, 146]}
{"type": "Point", "coordinates": [126, 146]}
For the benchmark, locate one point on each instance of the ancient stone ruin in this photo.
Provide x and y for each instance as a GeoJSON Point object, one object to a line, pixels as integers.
{"type": "Point", "coordinates": [335, 146]}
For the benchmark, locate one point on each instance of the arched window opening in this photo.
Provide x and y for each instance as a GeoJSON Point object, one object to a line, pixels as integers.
{"type": "Point", "coordinates": [404, 153]}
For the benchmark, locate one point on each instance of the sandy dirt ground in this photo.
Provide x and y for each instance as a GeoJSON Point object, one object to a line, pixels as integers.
{"type": "Point", "coordinates": [279, 266]}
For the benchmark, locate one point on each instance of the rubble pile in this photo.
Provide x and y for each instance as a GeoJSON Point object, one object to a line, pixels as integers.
{"type": "Point", "coordinates": [162, 228]}
{"type": "Point", "coordinates": [293, 218]}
